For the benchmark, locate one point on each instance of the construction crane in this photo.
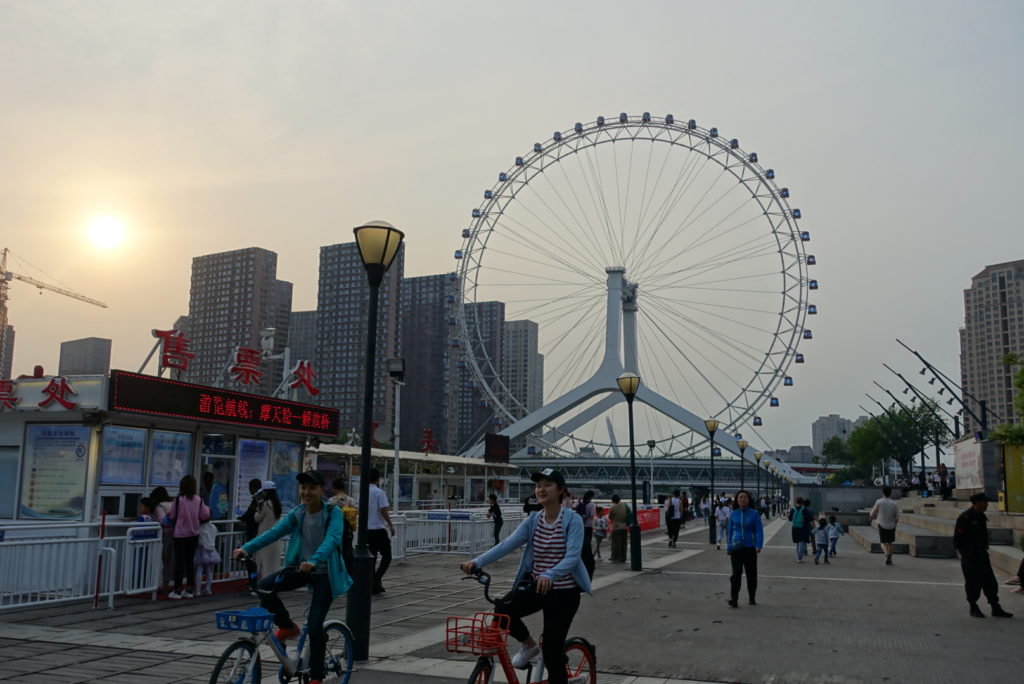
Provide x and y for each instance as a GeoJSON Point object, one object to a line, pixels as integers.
{"type": "Point", "coordinates": [7, 276]}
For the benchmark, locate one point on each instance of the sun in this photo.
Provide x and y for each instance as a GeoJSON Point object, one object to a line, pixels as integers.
{"type": "Point", "coordinates": [106, 232]}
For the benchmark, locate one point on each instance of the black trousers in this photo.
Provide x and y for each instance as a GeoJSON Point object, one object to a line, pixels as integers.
{"type": "Point", "coordinates": [184, 561]}
{"type": "Point", "coordinates": [673, 528]}
{"type": "Point", "coordinates": [497, 530]}
{"type": "Point", "coordinates": [743, 560]}
{"type": "Point", "coordinates": [587, 553]}
{"type": "Point", "coordinates": [978, 578]}
{"type": "Point", "coordinates": [379, 543]}
{"type": "Point", "coordinates": [287, 579]}
{"type": "Point", "coordinates": [559, 606]}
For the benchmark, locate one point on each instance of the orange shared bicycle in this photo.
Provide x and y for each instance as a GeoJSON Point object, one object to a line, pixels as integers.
{"type": "Point", "coordinates": [485, 635]}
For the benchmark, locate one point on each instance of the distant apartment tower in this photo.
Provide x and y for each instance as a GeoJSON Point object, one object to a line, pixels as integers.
{"type": "Point", "coordinates": [302, 338]}
{"type": "Point", "coordinates": [87, 356]}
{"type": "Point", "coordinates": [827, 427]}
{"type": "Point", "coordinates": [428, 327]}
{"type": "Point", "coordinates": [993, 327]}
{"type": "Point", "coordinates": [342, 301]}
{"type": "Point", "coordinates": [476, 415]}
{"type": "Point", "coordinates": [7, 352]}
{"type": "Point", "coordinates": [234, 296]}
{"type": "Point", "coordinates": [522, 370]}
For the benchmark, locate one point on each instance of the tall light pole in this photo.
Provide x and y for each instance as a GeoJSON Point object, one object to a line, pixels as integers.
{"type": "Point", "coordinates": [396, 369]}
{"type": "Point", "coordinates": [742, 444]}
{"type": "Point", "coordinates": [757, 457]}
{"type": "Point", "coordinates": [712, 425]}
{"type": "Point", "coordinates": [629, 383]}
{"type": "Point", "coordinates": [650, 457]}
{"type": "Point", "coordinates": [378, 245]}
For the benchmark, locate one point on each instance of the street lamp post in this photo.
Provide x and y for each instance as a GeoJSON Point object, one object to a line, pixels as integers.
{"type": "Point", "coordinates": [712, 425]}
{"type": "Point", "coordinates": [650, 457]}
{"type": "Point", "coordinates": [629, 383]}
{"type": "Point", "coordinates": [742, 444]}
{"type": "Point", "coordinates": [396, 369]}
{"type": "Point", "coordinates": [757, 457]}
{"type": "Point", "coordinates": [378, 244]}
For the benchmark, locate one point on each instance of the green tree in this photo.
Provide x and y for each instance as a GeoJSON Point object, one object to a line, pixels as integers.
{"type": "Point", "coordinates": [836, 451]}
{"type": "Point", "coordinates": [1013, 433]}
{"type": "Point", "coordinates": [898, 434]}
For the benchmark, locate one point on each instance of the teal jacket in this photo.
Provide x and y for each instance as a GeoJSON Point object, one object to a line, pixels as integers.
{"type": "Point", "coordinates": [572, 563]}
{"type": "Point", "coordinates": [329, 551]}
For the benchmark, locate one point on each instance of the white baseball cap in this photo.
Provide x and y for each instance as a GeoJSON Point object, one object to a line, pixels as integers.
{"type": "Point", "coordinates": [269, 484]}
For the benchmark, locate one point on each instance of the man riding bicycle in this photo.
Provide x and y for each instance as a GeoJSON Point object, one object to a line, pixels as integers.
{"type": "Point", "coordinates": [313, 559]}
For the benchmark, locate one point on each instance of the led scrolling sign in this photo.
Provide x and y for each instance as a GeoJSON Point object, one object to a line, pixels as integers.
{"type": "Point", "coordinates": [134, 393]}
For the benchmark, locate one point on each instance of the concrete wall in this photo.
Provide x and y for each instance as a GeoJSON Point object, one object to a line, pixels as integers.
{"type": "Point", "coordinates": [823, 499]}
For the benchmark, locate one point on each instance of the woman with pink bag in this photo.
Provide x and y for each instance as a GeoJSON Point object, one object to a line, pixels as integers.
{"type": "Point", "coordinates": [187, 512]}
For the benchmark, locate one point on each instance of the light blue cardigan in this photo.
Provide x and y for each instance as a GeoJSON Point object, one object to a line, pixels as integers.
{"type": "Point", "coordinates": [572, 563]}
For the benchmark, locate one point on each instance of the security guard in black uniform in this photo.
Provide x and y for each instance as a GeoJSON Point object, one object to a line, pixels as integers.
{"type": "Point", "coordinates": [971, 542]}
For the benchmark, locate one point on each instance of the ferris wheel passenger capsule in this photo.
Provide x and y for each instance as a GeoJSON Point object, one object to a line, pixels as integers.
{"type": "Point", "coordinates": [713, 132]}
{"type": "Point", "coordinates": [691, 124]}
{"type": "Point", "coordinates": [774, 403]}
{"type": "Point", "coordinates": [808, 335]}
{"type": "Point", "coordinates": [646, 117]}
{"type": "Point", "coordinates": [623, 118]}
{"type": "Point", "coordinates": [796, 213]}
{"type": "Point", "coordinates": [537, 147]}
{"type": "Point", "coordinates": [519, 161]}
{"type": "Point", "coordinates": [458, 254]}
{"type": "Point", "coordinates": [812, 285]}
{"type": "Point", "coordinates": [805, 235]}
{"type": "Point", "coordinates": [784, 193]}
{"type": "Point", "coordinates": [758, 422]}
{"type": "Point", "coordinates": [502, 176]}
{"type": "Point", "coordinates": [812, 309]}
{"type": "Point", "coordinates": [476, 213]}
{"type": "Point", "coordinates": [799, 358]}
{"type": "Point", "coordinates": [734, 143]}
{"type": "Point", "coordinates": [753, 157]}
{"type": "Point", "coordinates": [557, 137]}
{"type": "Point", "coordinates": [465, 233]}
{"type": "Point", "coordinates": [811, 261]}
{"type": "Point", "coordinates": [578, 127]}
{"type": "Point", "coordinates": [770, 174]}
{"type": "Point", "coordinates": [787, 381]}
{"type": "Point", "coordinates": [669, 119]}
{"type": "Point", "coordinates": [488, 194]}
{"type": "Point", "coordinates": [600, 121]}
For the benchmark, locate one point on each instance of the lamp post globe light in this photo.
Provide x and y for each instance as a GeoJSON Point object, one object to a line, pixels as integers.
{"type": "Point", "coordinates": [757, 457]}
{"type": "Point", "coordinates": [378, 243]}
{"type": "Point", "coordinates": [712, 425]}
{"type": "Point", "coordinates": [742, 444]}
{"type": "Point", "coordinates": [629, 383]}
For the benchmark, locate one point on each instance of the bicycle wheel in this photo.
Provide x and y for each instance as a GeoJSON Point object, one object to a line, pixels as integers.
{"type": "Point", "coordinates": [234, 665]}
{"type": "Point", "coordinates": [581, 662]}
{"type": "Point", "coordinates": [482, 671]}
{"type": "Point", "coordinates": [338, 658]}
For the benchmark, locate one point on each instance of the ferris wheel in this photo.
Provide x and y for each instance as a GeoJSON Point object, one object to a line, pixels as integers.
{"type": "Point", "coordinates": [707, 261]}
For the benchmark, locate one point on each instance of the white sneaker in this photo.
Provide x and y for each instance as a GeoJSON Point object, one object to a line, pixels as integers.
{"type": "Point", "coordinates": [186, 594]}
{"type": "Point", "coordinates": [174, 596]}
{"type": "Point", "coordinates": [525, 655]}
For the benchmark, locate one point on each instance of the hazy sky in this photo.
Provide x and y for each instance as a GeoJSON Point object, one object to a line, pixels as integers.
{"type": "Point", "coordinates": [214, 126]}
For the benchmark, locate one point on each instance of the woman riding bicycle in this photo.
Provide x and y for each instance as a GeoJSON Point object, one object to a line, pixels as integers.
{"type": "Point", "coordinates": [552, 561]}
{"type": "Point", "coordinates": [313, 558]}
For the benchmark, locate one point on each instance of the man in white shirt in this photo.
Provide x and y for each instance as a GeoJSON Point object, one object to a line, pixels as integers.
{"type": "Point", "coordinates": [887, 512]}
{"type": "Point", "coordinates": [378, 523]}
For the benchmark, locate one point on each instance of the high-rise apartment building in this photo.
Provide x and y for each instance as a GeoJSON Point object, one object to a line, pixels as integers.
{"type": "Point", "coordinates": [427, 332]}
{"type": "Point", "coordinates": [302, 338]}
{"type": "Point", "coordinates": [993, 327]}
{"type": "Point", "coordinates": [827, 427]}
{"type": "Point", "coordinates": [7, 352]}
{"type": "Point", "coordinates": [234, 296]}
{"type": "Point", "coordinates": [87, 356]}
{"type": "Point", "coordinates": [475, 414]}
{"type": "Point", "coordinates": [522, 369]}
{"type": "Point", "coordinates": [342, 300]}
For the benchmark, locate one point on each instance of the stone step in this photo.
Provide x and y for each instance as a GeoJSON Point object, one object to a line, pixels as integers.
{"type": "Point", "coordinates": [868, 538]}
{"type": "Point", "coordinates": [1005, 559]}
{"type": "Point", "coordinates": [946, 526]}
{"type": "Point", "coordinates": [925, 543]}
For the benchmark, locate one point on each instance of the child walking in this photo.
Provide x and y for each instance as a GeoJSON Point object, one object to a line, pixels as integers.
{"type": "Point", "coordinates": [600, 530]}
{"type": "Point", "coordinates": [821, 540]}
{"type": "Point", "coordinates": [206, 557]}
{"type": "Point", "coordinates": [835, 531]}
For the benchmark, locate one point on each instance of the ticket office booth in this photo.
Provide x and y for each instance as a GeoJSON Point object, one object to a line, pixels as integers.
{"type": "Point", "coordinates": [122, 437]}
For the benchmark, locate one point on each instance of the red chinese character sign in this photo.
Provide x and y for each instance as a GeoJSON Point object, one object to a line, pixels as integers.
{"type": "Point", "coordinates": [174, 351]}
{"type": "Point", "coordinates": [304, 376]}
{"type": "Point", "coordinates": [246, 368]}
{"type": "Point", "coordinates": [57, 391]}
{"type": "Point", "coordinates": [8, 398]}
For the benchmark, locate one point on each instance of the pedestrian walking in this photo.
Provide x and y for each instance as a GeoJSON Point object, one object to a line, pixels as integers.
{"type": "Point", "coordinates": [350, 512]}
{"type": "Point", "coordinates": [378, 524]}
{"type": "Point", "coordinates": [811, 515]}
{"type": "Point", "coordinates": [600, 529]}
{"type": "Point", "coordinates": [494, 513]}
{"type": "Point", "coordinates": [206, 558]}
{"type": "Point", "coordinates": [800, 528]}
{"type": "Point", "coordinates": [887, 513]}
{"type": "Point", "coordinates": [835, 531]}
{"type": "Point", "coordinates": [821, 541]}
{"type": "Point", "coordinates": [674, 517]}
{"type": "Point", "coordinates": [249, 517]}
{"type": "Point", "coordinates": [617, 515]}
{"type": "Point", "coordinates": [553, 539]}
{"type": "Point", "coordinates": [684, 506]}
{"type": "Point", "coordinates": [722, 513]}
{"type": "Point", "coordinates": [971, 541]}
{"type": "Point", "coordinates": [268, 513]}
{"type": "Point", "coordinates": [587, 510]}
{"type": "Point", "coordinates": [187, 512]}
{"type": "Point", "coordinates": [161, 501]}
{"type": "Point", "coordinates": [745, 538]}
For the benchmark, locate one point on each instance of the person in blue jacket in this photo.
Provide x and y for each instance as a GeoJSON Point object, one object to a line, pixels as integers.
{"type": "Point", "coordinates": [552, 560]}
{"type": "Point", "coordinates": [745, 537]}
{"type": "Point", "coordinates": [313, 559]}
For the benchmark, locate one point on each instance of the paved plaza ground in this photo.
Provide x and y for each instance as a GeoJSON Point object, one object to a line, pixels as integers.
{"type": "Point", "coordinates": [852, 621]}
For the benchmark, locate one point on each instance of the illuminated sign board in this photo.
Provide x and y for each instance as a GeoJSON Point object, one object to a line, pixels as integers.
{"type": "Point", "coordinates": [134, 393]}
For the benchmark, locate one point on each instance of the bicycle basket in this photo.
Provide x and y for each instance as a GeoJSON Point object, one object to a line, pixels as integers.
{"type": "Point", "coordinates": [482, 634]}
{"type": "Point", "coordinates": [253, 620]}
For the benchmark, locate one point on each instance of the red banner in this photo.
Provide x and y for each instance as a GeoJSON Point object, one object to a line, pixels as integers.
{"type": "Point", "coordinates": [649, 519]}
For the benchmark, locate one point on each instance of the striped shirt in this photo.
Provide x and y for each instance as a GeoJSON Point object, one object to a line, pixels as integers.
{"type": "Point", "coordinates": [549, 550]}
